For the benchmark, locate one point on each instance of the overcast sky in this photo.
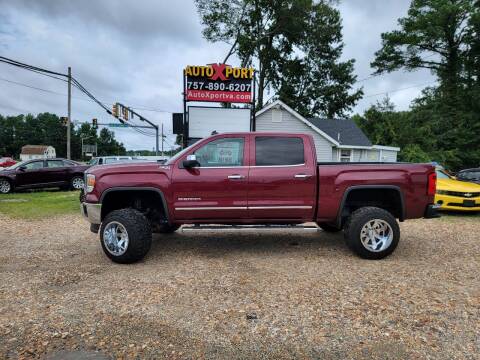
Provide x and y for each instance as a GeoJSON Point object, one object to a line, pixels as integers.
{"type": "Point", "coordinates": [133, 52]}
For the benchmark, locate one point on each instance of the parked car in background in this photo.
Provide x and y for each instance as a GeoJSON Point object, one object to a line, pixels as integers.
{"type": "Point", "coordinates": [44, 173]}
{"type": "Point", "coordinates": [6, 162]}
{"type": "Point", "coordinates": [454, 194]}
{"type": "Point", "coordinates": [106, 160]}
{"type": "Point", "coordinates": [470, 175]}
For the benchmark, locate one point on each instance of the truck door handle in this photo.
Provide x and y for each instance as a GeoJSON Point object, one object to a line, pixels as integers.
{"type": "Point", "coordinates": [236, 177]}
{"type": "Point", "coordinates": [302, 176]}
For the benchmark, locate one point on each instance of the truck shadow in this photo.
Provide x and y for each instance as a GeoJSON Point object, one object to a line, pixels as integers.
{"type": "Point", "coordinates": [219, 243]}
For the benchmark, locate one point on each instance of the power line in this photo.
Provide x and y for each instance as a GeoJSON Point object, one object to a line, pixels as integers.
{"type": "Point", "coordinates": [29, 67]}
{"type": "Point", "coordinates": [32, 87]}
{"type": "Point", "coordinates": [396, 90]}
{"type": "Point", "coordinates": [79, 98]}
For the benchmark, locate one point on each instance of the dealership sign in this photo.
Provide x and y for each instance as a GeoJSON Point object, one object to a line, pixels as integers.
{"type": "Point", "coordinates": [219, 83]}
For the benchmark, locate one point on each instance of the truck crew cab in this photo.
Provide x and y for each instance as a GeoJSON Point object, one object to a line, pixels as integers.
{"type": "Point", "coordinates": [255, 178]}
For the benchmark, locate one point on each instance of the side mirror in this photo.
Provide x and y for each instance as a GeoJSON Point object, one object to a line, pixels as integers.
{"type": "Point", "coordinates": [22, 168]}
{"type": "Point", "coordinates": [191, 162]}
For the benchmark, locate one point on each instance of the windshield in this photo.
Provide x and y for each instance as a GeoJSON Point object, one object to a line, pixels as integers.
{"type": "Point", "coordinates": [469, 175]}
{"type": "Point", "coordinates": [442, 175]}
{"type": "Point", "coordinates": [16, 165]}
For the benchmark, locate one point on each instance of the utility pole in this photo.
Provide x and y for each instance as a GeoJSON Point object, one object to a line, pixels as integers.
{"type": "Point", "coordinates": [156, 138]}
{"type": "Point", "coordinates": [69, 119]}
{"type": "Point", "coordinates": [162, 139]}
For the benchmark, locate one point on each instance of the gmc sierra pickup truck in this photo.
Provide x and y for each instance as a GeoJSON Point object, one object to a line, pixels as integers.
{"type": "Point", "coordinates": [255, 179]}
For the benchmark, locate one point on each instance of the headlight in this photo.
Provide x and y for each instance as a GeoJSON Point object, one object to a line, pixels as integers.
{"type": "Point", "coordinates": [442, 192]}
{"type": "Point", "coordinates": [90, 182]}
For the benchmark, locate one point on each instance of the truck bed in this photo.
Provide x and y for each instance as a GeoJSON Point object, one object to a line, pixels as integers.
{"type": "Point", "coordinates": [337, 180]}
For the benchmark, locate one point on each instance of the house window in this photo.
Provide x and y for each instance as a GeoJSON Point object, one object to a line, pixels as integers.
{"type": "Point", "coordinates": [276, 115]}
{"type": "Point", "coordinates": [345, 155]}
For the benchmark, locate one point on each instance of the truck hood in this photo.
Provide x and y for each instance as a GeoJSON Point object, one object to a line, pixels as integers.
{"type": "Point", "coordinates": [127, 168]}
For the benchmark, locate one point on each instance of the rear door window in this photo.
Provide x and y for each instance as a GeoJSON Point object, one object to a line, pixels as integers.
{"type": "Point", "coordinates": [279, 151]}
{"type": "Point", "coordinates": [55, 163]}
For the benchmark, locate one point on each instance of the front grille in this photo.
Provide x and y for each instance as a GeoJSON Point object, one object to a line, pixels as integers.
{"type": "Point", "coordinates": [467, 195]}
{"type": "Point", "coordinates": [464, 205]}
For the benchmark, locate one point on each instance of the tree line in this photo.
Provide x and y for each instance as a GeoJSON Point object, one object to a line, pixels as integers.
{"type": "Point", "coordinates": [296, 46]}
{"type": "Point", "coordinates": [47, 129]}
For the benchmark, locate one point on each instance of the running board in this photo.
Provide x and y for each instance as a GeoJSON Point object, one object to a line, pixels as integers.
{"type": "Point", "coordinates": [197, 227]}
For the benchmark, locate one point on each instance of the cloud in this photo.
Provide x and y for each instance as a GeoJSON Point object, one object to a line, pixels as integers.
{"type": "Point", "coordinates": [134, 53]}
{"type": "Point", "coordinates": [363, 23]}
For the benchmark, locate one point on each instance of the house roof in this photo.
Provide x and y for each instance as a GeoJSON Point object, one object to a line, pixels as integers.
{"type": "Point", "coordinates": [279, 103]}
{"type": "Point", "coordinates": [345, 131]}
{"type": "Point", "coordinates": [34, 149]}
{"type": "Point", "coordinates": [350, 134]}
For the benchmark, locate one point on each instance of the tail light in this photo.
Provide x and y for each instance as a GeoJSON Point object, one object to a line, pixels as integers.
{"type": "Point", "coordinates": [432, 184]}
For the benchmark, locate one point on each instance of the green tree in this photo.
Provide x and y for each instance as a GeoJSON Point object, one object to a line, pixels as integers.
{"type": "Point", "coordinates": [443, 36]}
{"type": "Point", "coordinates": [107, 145]}
{"type": "Point", "coordinates": [409, 130]}
{"type": "Point", "coordinates": [295, 46]}
{"type": "Point", "coordinates": [434, 35]}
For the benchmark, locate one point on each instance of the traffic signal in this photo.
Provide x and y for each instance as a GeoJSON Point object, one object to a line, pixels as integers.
{"type": "Point", "coordinates": [125, 113]}
{"type": "Point", "coordinates": [64, 120]}
{"type": "Point", "coordinates": [95, 123]}
{"type": "Point", "coordinates": [115, 110]}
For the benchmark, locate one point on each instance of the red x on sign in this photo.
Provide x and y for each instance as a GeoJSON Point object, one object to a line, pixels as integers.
{"type": "Point", "coordinates": [218, 71]}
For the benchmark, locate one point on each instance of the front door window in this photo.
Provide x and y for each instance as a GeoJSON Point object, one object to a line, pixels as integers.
{"type": "Point", "coordinates": [226, 152]}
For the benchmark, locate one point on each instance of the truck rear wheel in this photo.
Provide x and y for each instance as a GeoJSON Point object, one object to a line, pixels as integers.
{"type": "Point", "coordinates": [372, 233]}
{"type": "Point", "coordinates": [125, 236]}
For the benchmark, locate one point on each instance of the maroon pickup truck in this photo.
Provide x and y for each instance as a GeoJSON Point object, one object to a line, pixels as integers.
{"type": "Point", "coordinates": [255, 179]}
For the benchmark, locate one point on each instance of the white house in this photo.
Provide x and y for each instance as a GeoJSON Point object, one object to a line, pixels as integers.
{"type": "Point", "coordinates": [335, 139]}
{"type": "Point", "coordinates": [30, 152]}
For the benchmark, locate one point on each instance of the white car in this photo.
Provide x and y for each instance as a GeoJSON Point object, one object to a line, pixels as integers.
{"type": "Point", "coordinates": [105, 160]}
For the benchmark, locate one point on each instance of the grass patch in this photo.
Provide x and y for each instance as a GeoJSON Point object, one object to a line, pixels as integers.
{"type": "Point", "coordinates": [38, 205]}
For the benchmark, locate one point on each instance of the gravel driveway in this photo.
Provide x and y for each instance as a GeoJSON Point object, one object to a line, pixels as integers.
{"type": "Point", "coordinates": [240, 294]}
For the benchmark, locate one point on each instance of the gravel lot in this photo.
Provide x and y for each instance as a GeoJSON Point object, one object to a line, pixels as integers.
{"type": "Point", "coordinates": [240, 294]}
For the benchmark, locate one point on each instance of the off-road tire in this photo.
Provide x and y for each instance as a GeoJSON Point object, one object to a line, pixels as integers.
{"type": "Point", "coordinates": [5, 186]}
{"type": "Point", "coordinates": [139, 235]}
{"type": "Point", "coordinates": [329, 227]}
{"type": "Point", "coordinates": [355, 223]}
{"type": "Point", "coordinates": [166, 229]}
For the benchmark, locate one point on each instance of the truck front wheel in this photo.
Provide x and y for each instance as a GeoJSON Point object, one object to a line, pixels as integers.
{"type": "Point", "coordinates": [125, 236]}
{"type": "Point", "coordinates": [372, 233]}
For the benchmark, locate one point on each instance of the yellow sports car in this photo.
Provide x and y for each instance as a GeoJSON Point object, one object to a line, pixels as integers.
{"type": "Point", "coordinates": [453, 194]}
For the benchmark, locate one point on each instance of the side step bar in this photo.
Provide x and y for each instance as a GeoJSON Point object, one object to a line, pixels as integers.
{"type": "Point", "coordinates": [197, 227]}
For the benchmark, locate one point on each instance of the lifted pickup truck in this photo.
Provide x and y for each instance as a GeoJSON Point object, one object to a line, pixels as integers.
{"type": "Point", "coordinates": [255, 179]}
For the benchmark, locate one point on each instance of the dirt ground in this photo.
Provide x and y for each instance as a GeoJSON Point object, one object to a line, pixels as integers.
{"type": "Point", "coordinates": [240, 294]}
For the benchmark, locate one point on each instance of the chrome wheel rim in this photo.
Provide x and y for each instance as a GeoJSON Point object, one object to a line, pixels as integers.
{"type": "Point", "coordinates": [376, 235]}
{"type": "Point", "coordinates": [115, 238]}
{"type": "Point", "coordinates": [4, 186]}
{"type": "Point", "coordinates": [77, 183]}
